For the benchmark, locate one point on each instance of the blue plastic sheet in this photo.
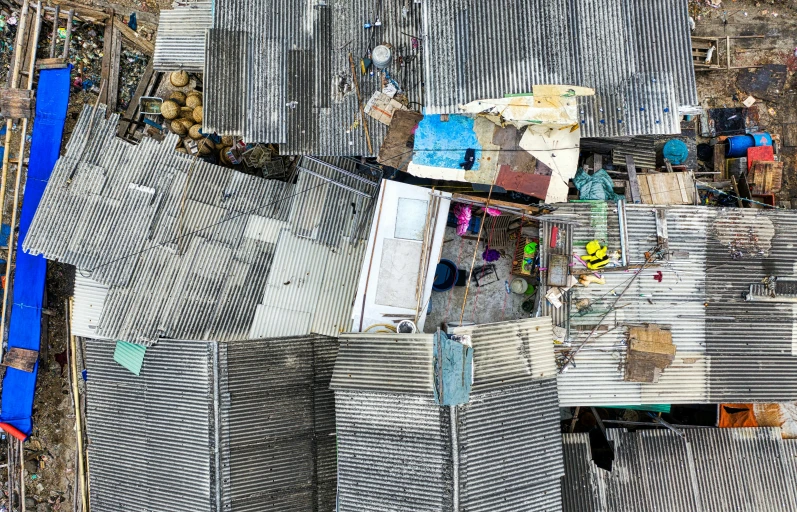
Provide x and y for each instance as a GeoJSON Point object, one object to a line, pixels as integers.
{"type": "Point", "coordinates": [52, 98]}
{"type": "Point", "coordinates": [453, 370]}
{"type": "Point", "coordinates": [597, 187]}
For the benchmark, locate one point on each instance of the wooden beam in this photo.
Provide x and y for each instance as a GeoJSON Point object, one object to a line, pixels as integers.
{"type": "Point", "coordinates": [113, 75]}
{"type": "Point", "coordinates": [494, 202]}
{"type": "Point", "coordinates": [107, 49]}
{"type": "Point", "coordinates": [54, 36]}
{"type": "Point", "coordinates": [83, 12]}
{"type": "Point", "coordinates": [132, 36]}
{"type": "Point", "coordinates": [636, 196]}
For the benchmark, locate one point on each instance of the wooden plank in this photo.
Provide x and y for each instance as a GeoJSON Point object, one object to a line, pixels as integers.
{"type": "Point", "coordinates": [632, 179]}
{"type": "Point", "coordinates": [68, 39]}
{"type": "Point", "coordinates": [21, 359]}
{"type": "Point", "coordinates": [719, 161]}
{"type": "Point", "coordinates": [682, 187]}
{"type": "Point", "coordinates": [113, 77]}
{"type": "Point", "coordinates": [83, 12]}
{"type": "Point", "coordinates": [106, 58]}
{"type": "Point", "coordinates": [668, 165]}
{"type": "Point", "coordinates": [54, 35]}
{"type": "Point", "coordinates": [136, 40]}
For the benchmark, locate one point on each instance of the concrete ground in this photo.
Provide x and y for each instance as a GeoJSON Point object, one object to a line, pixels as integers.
{"type": "Point", "coordinates": [487, 303]}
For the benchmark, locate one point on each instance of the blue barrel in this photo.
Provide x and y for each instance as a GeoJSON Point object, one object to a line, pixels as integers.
{"type": "Point", "coordinates": [738, 145]}
{"type": "Point", "coordinates": [762, 139]}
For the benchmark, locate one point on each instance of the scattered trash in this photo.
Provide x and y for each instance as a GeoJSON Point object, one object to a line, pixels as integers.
{"type": "Point", "coordinates": [748, 102]}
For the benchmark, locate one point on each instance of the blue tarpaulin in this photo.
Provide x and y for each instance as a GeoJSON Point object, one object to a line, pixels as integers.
{"type": "Point", "coordinates": [52, 98]}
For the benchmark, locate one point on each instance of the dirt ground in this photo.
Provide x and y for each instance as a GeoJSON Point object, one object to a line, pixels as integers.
{"type": "Point", "coordinates": [776, 21]}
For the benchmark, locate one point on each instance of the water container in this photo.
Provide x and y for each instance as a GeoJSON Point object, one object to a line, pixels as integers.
{"type": "Point", "coordinates": [445, 276]}
{"type": "Point", "coordinates": [676, 151]}
{"type": "Point", "coordinates": [738, 145]}
{"type": "Point", "coordinates": [381, 55]}
{"type": "Point", "coordinates": [762, 139]}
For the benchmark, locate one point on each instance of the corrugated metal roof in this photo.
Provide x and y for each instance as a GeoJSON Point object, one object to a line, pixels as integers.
{"type": "Point", "coordinates": [398, 450]}
{"type": "Point", "coordinates": [299, 90]}
{"type": "Point", "coordinates": [715, 470]}
{"type": "Point", "coordinates": [181, 36]}
{"type": "Point", "coordinates": [146, 431]}
{"type": "Point", "coordinates": [232, 426]}
{"type": "Point", "coordinates": [636, 55]}
{"type": "Point", "coordinates": [510, 449]}
{"type": "Point", "coordinates": [89, 297]}
{"type": "Point", "coordinates": [728, 349]}
{"type": "Point", "coordinates": [400, 363]}
{"type": "Point", "coordinates": [120, 218]}
{"type": "Point", "coordinates": [510, 352]}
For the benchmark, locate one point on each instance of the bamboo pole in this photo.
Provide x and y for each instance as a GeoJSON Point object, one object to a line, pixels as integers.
{"type": "Point", "coordinates": [18, 182]}
{"type": "Point", "coordinates": [78, 420]}
{"type": "Point", "coordinates": [360, 103]}
{"type": "Point", "coordinates": [21, 460]}
{"type": "Point", "coordinates": [18, 56]}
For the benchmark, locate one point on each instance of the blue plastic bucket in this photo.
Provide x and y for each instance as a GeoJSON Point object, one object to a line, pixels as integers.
{"type": "Point", "coordinates": [738, 145]}
{"type": "Point", "coordinates": [762, 139]}
{"type": "Point", "coordinates": [445, 276]}
{"type": "Point", "coordinates": [676, 151]}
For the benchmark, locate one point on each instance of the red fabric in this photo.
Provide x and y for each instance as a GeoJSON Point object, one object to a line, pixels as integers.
{"type": "Point", "coordinates": [759, 153]}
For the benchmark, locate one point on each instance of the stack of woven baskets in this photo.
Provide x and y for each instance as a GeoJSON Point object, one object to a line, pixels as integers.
{"type": "Point", "coordinates": [183, 113]}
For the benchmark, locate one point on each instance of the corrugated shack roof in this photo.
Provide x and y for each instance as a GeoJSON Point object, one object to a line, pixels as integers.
{"type": "Point", "coordinates": [181, 36]}
{"type": "Point", "coordinates": [728, 349]}
{"type": "Point", "coordinates": [207, 426]}
{"type": "Point", "coordinates": [279, 72]}
{"type": "Point", "coordinates": [399, 450]}
{"type": "Point", "coordinates": [710, 469]}
{"type": "Point", "coordinates": [636, 54]}
{"type": "Point", "coordinates": [209, 259]}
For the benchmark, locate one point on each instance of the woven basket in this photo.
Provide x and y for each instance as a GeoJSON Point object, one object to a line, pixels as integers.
{"type": "Point", "coordinates": [178, 97]}
{"type": "Point", "coordinates": [178, 127]}
{"type": "Point", "coordinates": [227, 140]}
{"type": "Point", "coordinates": [170, 109]}
{"type": "Point", "coordinates": [205, 146]}
{"type": "Point", "coordinates": [181, 150]}
{"type": "Point", "coordinates": [187, 113]}
{"type": "Point", "coordinates": [223, 155]}
{"type": "Point", "coordinates": [179, 78]}
{"type": "Point", "coordinates": [198, 114]}
{"type": "Point", "coordinates": [194, 131]}
{"type": "Point", "coordinates": [193, 101]}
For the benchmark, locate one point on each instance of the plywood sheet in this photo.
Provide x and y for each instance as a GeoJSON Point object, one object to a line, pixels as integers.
{"type": "Point", "coordinates": [667, 188]}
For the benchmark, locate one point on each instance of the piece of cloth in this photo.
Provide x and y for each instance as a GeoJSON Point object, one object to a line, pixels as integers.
{"type": "Point", "coordinates": [737, 415]}
{"type": "Point", "coordinates": [598, 187]}
{"type": "Point", "coordinates": [24, 331]}
{"type": "Point", "coordinates": [463, 215]}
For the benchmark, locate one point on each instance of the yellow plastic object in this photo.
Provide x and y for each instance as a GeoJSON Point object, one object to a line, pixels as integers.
{"type": "Point", "coordinates": [598, 263]}
{"type": "Point", "coordinates": [593, 247]}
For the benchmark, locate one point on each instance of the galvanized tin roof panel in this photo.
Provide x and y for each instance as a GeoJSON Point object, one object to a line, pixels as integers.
{"type": "Point", "coordinates": [192, 258]}
{"type": "Point", "coordinates": [89, 297]}
{"type": "Point", "coordinates": [710, 469]}
{"type": "Point", "coordinates": [510, 455]}
{"type": "Point", "coordinates": [394, 453]}
{"type": "Point", "coordinates": [279, 423]}
{"type": "Point", "coordinates": [301, 90]}
{"type": "Point", "coordinates": [134, 437]}
{"type": "Point", "coordinates": [181, 37]}
{"type": "Point", "coordinates": [510, 352]}
{"type": "Point", "coordinates": [389, 363]}
{"type": "Point", "coordinates": [480, 50]}
{"type": "Point", "coordinates": [226, 82]}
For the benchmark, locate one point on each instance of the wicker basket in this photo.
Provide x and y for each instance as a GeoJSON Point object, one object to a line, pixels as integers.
{"type": "Point", "coordinates": [179, 78]}
{"type": "Point", "coordinates": [170, 109]}
{"type": "Point", "coordinates": [178, 97]}
{"type": "Point", "coordinates": [227, 140]}
{"type": "Point", "coordinates": [194, 131]}
{"type": "Point", "coordinates": [198, 114]}
{"type": "Point", "coordinates": [223, 155]}
{"type": "Point", "coordinates": [193, 101]}
{"type": "Point", "coordinates": [187, 113]}
{"type": "Point", "coordinates": [178, 127]}
{"type": "Point", "coordinates": [205, 146]}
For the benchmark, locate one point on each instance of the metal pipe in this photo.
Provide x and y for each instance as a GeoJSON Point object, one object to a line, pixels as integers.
{"type": "Point", "coordinates": [18, 182]}
{"type": "Point", "coordinates": [21, 460]}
